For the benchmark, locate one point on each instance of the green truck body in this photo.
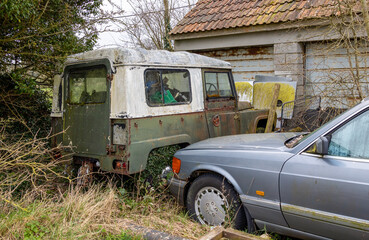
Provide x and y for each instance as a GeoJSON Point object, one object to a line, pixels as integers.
{"type": "Point", "coordinates": [116, 105]}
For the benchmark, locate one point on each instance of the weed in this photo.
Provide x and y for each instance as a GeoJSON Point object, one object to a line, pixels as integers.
{"type": "Point", "coordinates": [158, 159]}
{"type": "Point", "coordinates": [124, 235]}
{"type": "Point", "coordinates": [34, 231]}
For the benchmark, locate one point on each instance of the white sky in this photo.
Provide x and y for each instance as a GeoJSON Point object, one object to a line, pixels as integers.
{"type": "Point", "coordinates": [113, 39]}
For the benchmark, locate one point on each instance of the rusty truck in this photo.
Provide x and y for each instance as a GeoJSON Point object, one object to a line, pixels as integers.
{"type": "Point", "coordinates": [116, 105]}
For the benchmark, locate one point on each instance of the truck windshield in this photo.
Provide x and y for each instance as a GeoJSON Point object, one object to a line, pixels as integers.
{"type": "Point", "coordinates": [87, 85]}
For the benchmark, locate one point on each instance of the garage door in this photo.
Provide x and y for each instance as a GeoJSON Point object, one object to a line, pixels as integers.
{"type": "Point", "coordinates": [330, 74]}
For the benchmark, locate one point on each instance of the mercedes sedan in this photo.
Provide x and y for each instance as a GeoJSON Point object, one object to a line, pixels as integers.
{"type": "Point", "coordinates": [310, 186]}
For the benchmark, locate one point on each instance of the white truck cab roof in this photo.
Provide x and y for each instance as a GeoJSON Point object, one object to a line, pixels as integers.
{"type": "Point", "coordinates": [126, 56]}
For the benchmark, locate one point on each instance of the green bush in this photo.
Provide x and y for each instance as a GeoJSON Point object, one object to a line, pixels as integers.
{"type": "Point", "coordinates": [158, 159]}
{"type": "Point", "coordinates": [24, 108]}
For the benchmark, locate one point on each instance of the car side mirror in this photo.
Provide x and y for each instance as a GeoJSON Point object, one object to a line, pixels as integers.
{"type": "Point", "coordinates": [322, 145]}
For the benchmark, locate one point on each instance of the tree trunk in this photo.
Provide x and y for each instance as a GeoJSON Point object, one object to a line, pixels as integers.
{"type": "Point", "coordinates": [366, 16]}
{"type": "Point", "coordinates": [167, 43]}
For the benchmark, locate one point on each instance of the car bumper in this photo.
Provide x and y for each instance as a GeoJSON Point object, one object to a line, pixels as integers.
{"type": "Point", "coordinates": [176, 188]}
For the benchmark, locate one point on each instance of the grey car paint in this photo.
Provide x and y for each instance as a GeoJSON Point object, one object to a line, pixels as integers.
{"type": "Point", "coordinates": [305, 195]}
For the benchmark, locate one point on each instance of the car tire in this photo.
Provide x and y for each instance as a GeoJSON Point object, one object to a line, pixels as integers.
{"type": "Point", "coordinates": [212, 200]}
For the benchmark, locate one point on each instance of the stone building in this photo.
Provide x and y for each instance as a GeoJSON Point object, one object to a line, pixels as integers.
{"type": "Point", "coordinates": [289, 38]}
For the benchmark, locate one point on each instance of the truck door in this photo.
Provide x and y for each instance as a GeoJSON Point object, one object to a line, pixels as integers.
{"type": "Point", "coordinates": [220, 103]}
{"type": "Point", "coordinates": [87, 109]}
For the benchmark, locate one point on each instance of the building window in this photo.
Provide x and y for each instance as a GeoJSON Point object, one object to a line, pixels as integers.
{"type": "Point", "coordinates": [167, 87]}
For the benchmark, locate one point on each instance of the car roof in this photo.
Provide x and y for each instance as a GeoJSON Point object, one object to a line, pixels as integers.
{"type": "Point", "coordinates": [139, 56]}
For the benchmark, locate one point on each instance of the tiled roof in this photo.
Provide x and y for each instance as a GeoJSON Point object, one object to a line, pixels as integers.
{"type": "Point", "coordinates": [210, 15]}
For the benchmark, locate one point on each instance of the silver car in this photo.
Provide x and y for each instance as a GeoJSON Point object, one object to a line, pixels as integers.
{"type": "Point", "coordinates": [313, 186]}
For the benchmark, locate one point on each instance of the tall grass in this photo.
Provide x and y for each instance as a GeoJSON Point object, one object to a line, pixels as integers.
{"type": "Point", "coordinates": [38, 202]}
{"type": "Point", "coordinates": [99, 212]}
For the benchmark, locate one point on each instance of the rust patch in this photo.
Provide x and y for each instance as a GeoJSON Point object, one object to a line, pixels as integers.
{"type": "Point", "coordinates": [256, 50]}
{"type": "Point", "coordinates": [160, 122]}
{"type": "Point", "coordinates": [129, 132]}
{"type": "Point", "coordinates": [110, 77]}
{"type": "Point", "coordinates": [216, 120]}
{"type": "Point", "coordinates": [235, 52]}
{"type": "Point", "coordinates": [136, 125]}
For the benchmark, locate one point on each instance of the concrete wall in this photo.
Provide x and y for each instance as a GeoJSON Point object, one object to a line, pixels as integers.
{"type": "Point", "coordinates": [289, 62]}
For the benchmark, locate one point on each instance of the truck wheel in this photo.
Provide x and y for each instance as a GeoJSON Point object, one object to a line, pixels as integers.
{"type": "Point", "coordinates": [212, 200]}
{"type": "Point", "coordinates": [84, 175]}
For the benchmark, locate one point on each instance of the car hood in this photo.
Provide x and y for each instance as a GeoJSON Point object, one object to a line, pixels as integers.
{"type": "Point", "coordinates": [261, 141]}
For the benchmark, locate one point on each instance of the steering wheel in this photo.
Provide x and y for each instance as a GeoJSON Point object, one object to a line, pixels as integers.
{"type": "Point", "coordinates": [209, 86]}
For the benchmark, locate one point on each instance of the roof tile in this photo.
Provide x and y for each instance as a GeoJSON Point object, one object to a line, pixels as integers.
{"type": "Point", "coordinates": [210, 15]}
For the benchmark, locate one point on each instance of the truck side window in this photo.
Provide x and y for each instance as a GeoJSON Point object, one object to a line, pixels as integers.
{"type": "Point", "coordinates": [217, 84]}
{"type": "Point", "coordinates": [167, 87]}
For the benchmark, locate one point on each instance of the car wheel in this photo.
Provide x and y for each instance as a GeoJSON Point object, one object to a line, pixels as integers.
{"type": "Point", "coordinates": [212, 200]}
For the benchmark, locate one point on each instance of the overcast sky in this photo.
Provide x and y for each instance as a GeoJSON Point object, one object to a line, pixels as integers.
{"type": "Point", "coordinates": [113, 39]}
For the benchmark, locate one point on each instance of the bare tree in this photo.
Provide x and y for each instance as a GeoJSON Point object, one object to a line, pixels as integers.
{"type": "Point", "coordinates": [347, 86]}
{"type": "Point", "coordinates": [149, 24]}
{"type": "Point", "coordinates": [338, 78]}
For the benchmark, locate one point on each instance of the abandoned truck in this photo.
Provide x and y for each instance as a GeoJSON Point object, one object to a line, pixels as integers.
{"type": "Point", "coordinates": [116, 105]}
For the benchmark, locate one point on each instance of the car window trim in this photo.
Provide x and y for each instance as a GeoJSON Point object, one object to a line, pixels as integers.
{"type": "Point", "coordinates": [348, 159]}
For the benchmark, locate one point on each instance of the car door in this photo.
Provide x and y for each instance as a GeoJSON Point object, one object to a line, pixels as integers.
{"type": "Point", "coordinates": [220, 103]}
{"type": "Point", "coordinates": [329, 195]}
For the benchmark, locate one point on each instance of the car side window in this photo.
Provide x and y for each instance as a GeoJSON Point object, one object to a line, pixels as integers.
{"type": "Point", "coordinates": [217, 84]}
{"type": "Point", "coordinates": [352, 139]}
{"type": "Point", "coordinates": [167, 87]}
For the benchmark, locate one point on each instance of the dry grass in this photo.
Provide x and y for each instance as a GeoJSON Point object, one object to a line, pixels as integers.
{"type": "Point", "coordinates": [95, 213]}
{"type": "Point", "coordinates": [38, 202]}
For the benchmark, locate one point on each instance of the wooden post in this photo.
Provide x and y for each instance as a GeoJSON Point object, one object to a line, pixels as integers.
{"type": "Point", "coordinates": [272, 109]}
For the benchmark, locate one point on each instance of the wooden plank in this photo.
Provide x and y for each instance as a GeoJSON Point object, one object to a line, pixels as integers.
{"type": "Point", "coordinates": [215, 234]}
{"type": "Point", "coordinates": [273, 108]}
{"type": "Point", "coordinates": [219, 233]}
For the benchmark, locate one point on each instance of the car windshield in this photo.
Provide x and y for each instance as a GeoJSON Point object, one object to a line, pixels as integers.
{"type": "Point", "coordinates": [294, 141]}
